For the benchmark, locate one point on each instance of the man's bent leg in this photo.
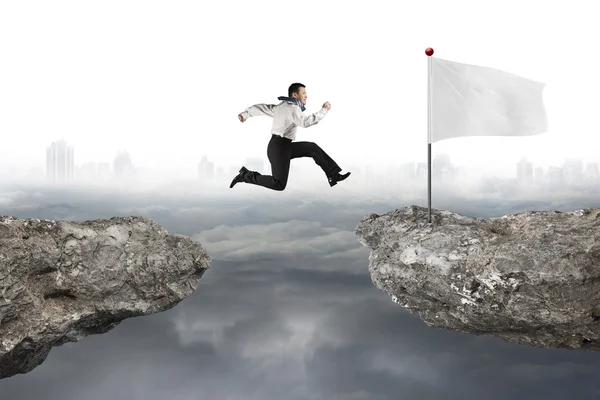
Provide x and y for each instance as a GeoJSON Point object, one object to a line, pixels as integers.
{"type": "Point", "coordinates": [279, 154]}
{"type": "Point", "coordinates": [322, 159]}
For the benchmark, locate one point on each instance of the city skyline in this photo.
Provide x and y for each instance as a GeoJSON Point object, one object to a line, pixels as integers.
{"type": "Point", "coordinates": [62, 167]}
{"type": "Point", "coordinates": [505, 165]}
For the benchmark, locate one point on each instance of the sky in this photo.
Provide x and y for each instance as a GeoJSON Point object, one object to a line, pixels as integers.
{"type": "Point", "coordinates": [293, 315]}
{"type": "Point", "coordinates": [166, 81]}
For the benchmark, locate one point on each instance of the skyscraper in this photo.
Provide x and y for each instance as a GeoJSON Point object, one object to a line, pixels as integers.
{"type": "Point", "coordinates": [573, 170]}
{"type": "Point", "coordinates": [446, 174]}
{"type": "Point", "coordinates": [422, 171]}
{"type": "Point", "coordinates": [60, 162]}
{"type": "Point", "coordinates": [206, 170]}
{"type": "Point", "coordinates": [525, 172]}
{"type": "Point", "coordinates": [441, 168]}
{"type": "Point", "coordinates": [123, 166]}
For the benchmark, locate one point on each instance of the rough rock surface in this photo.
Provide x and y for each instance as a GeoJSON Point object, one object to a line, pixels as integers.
{"type": "Point", "coordinates": [61, 281]}
{"type": "Point", "coordinates": [530, 278]}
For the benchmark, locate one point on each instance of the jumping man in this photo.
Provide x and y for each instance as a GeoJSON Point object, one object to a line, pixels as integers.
{"type": "Point", "coordinates": [287, 115]}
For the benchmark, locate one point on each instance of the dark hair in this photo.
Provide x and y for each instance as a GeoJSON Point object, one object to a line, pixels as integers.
{"type": "Point", "coordinates": [294, 88]}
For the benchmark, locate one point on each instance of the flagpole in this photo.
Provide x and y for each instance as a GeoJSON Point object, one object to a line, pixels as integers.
{"type": "Point", "coordinates": [429, 52]}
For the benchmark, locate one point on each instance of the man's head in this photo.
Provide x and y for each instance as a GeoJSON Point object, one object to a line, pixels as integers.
{"type": "Point", "coordinates": [298, 91]}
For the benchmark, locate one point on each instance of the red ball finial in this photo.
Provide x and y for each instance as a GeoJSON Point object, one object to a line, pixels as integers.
{"type": "Point", "coordinates": [429, 51]}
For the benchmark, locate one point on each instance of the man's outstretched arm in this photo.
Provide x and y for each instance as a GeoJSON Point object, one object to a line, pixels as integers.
{"type": "Point", "coordinates": [257, 110]}
{"type": "Point", "coordinates": [309, 120]}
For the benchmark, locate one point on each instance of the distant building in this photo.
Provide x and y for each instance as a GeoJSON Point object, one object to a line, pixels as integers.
{"type": "Point", "coordinates": [93, 172]}
{"type": "Point", "coordinates": [421, 171]}
{"type": "Point", "coordinates": [206, 170]}
{"type": "Point", "coordinates": [573, 170]}
{"type": "Point", "coordinates": [591, 171]}
{"type": "Point", "coordinates": [555, 176]}
{"type": "Point", "coordinates": [87, 172]}
{"type": "Point", "coordinates": [60, 162]}
{"type": "Point", "coordinates": [446, 174]}
{"type": "Point", "coordinates": [539, 176]}
{"type": "Point", "coordinates": [441, 168]}
{"type": "Point", "coordinates": [524, 172]}
{"type": "Point", "coordinates": [123, 166]}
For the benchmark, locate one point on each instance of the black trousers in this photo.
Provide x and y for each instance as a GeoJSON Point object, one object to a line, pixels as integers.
{"type": "Point", "coordinates": [280, 152]}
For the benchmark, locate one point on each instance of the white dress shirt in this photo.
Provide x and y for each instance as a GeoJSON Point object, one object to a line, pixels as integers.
{"type": "Point", "coordinates": [286, 117]}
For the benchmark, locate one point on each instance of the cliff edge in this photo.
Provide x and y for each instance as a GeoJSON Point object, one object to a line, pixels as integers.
{"type": "Point", "coordinates": [61, 281]}
{"type": "Point", "coordinates": [531, 278]}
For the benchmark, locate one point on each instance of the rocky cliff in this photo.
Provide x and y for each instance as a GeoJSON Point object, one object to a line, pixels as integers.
{"type": "Point", "coordinates": [530, 278]}
{"type": "Point", "coordinates": [61, 281]}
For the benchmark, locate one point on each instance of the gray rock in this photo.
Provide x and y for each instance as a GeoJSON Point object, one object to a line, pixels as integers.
{"type": "Point", "coordinates": [531, 278]}
{"type": "Point", "coordinates": [61, 281]}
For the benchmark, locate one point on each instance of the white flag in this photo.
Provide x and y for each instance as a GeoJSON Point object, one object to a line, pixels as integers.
{"type": "Point", "coordinates": [467, 100]}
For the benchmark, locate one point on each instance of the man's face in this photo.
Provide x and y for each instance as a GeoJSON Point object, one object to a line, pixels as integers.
{"type": "Point", "coordinates": [301, 95]}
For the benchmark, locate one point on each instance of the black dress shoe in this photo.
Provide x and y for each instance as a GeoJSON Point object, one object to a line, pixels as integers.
{"type": "Point", "coordinates": [333, 180]}
{"type": "Point", "coordinates": [239, 177]}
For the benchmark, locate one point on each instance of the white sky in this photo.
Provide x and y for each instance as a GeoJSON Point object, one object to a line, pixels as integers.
{"type": "Point", "coordinates": [166, 80]}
